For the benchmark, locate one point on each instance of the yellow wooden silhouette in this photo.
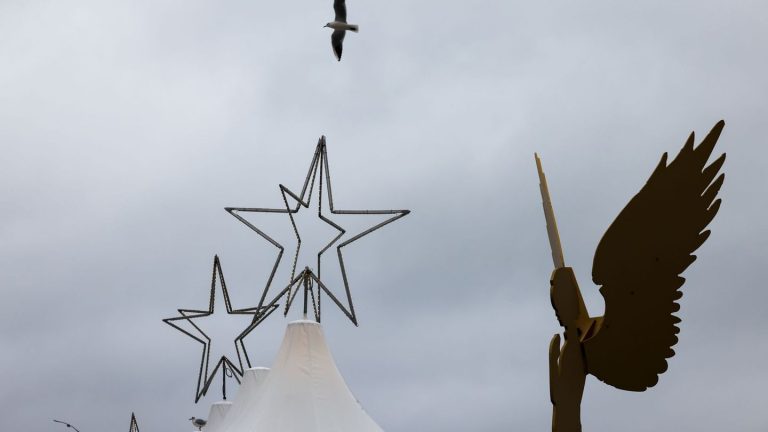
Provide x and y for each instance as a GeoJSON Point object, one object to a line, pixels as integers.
{"type": "Point", "coordinates": [638, 264]}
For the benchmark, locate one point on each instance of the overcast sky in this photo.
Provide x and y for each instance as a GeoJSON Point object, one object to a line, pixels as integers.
{"type": "Point", "coordinates": [126, 126]}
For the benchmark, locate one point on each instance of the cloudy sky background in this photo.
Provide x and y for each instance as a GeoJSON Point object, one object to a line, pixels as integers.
{"type": "Point", "coordinates": [126, 126]}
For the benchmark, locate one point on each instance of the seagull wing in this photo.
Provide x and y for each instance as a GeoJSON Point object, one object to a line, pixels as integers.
{"type": "Point", "coordinates": [340, 7]}
{"type": "Point", "coordinates": [337, 41]}
{"type": "Point", "coordinates": [639, 261]}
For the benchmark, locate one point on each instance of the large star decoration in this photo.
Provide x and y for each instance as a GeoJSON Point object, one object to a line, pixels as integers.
{"type": "Point", "coordinates": [318, 172]}
{"type": "Point", "coordinates": [206, 374]}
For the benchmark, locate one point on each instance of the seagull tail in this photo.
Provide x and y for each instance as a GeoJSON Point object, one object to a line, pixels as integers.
{"type": "Point", "coordinates": [354, 28]}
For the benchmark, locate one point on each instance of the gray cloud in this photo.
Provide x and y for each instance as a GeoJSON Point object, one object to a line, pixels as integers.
{"type": "Point", "coordinates": [126, 127]}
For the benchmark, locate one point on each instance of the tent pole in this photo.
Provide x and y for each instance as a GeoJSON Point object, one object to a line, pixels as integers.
{"type": "Point", "coordinates": [306, 289]}
{"type": "Point", "coordinates": [224, 382]}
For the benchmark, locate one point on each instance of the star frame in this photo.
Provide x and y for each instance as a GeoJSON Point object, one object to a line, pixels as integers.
{"type": "Point", "coordinates": [308, 278]}
{"type": "Point", "coordinates": [134, 424]}
{"type": "Point", "coordinates": [205, 375]}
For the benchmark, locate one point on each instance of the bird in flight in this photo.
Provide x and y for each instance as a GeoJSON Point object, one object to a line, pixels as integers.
{"type": "Point", "coordinates": [638, 264]}
{"type": "Point", "coordinates": [340, 27]}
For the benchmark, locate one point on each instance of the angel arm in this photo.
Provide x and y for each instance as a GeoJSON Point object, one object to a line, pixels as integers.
{"type": "Point", "coordinates": [566, 381]}
{"type": "Point", "coordinates": [554, 369]}
{"type": "Point", "coordinates": [639, 261]}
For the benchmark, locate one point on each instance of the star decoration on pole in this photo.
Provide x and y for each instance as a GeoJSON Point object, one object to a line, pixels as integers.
{"type": "Point", "coordinates": [307, 279]}
{"type": "Point", "coordinates": [228, 367]}
{"type": "Point", "coordinates": [134, 424]}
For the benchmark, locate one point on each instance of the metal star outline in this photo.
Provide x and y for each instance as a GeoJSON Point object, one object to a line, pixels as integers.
{"type": "Point", "coordinates": [307, 277]}
{"type": "Point", "coordinates": [204, 378]}
{"type": "Point", "coordinates": [134, 424]}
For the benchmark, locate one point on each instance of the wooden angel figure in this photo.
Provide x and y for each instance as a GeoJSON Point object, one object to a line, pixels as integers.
{"type": "Point", "coordinates": [637, 265]}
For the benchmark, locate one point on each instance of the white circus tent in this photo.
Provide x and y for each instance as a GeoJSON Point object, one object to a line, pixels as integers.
{"type": "Point", "coordinates": [303, 392]}
{"type": "Point", "coordinates": [246, 396]}
{"type": "Point", "coordinates": [249, 391]}
{"type": "Point", "coordinates": [216, 415]}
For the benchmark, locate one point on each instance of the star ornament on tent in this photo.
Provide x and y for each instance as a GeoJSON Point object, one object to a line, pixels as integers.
{"type": "Point", "coordinates": [307, 279]}
{"type": "Point", "coordinates": [225, 364]}
{"type": "Point", "coordinates": [134, 424]}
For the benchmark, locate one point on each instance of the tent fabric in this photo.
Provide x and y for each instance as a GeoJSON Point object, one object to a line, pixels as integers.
{"type": "Point", "coordinates": [303, 392]}
{"type": "Point", "coordinates": [247, 395]}
{"type": "Point", "coordinates": [249, 390]}
{"type": "Point", "coordinates": [216, 415]}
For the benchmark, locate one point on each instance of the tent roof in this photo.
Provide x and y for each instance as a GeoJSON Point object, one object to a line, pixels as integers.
{"type": "Point", "coordinates": [216, 415]}
{"type": "Point", "coordinates": [303, 392]}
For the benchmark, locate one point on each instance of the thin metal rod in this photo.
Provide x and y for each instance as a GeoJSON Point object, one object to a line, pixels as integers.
{"type": "Point", "coordinates": [67, 424]}
{"type": "Point", "coordinates": [305, 283]}
{"type": "Point", "coordinates": [224, 383]}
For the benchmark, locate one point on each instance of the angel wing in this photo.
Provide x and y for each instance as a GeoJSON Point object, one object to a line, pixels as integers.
{"type": "Point", "coordinates": [638, 263]}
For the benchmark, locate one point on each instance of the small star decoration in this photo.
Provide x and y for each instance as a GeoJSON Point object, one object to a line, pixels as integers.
{"type": "Point", "coordinates": [206, 374]}
{"type": "Point", "coordinates": [134, 424]}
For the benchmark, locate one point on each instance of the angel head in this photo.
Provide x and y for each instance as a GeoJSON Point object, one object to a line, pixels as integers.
{"type": "Point", "coordinates": [565, 297]}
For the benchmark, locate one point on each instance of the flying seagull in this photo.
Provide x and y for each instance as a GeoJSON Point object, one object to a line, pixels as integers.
{"type": "Point", "coordinates": [340, 27]}
{"type": "Point", "coordinates": [198, 423]}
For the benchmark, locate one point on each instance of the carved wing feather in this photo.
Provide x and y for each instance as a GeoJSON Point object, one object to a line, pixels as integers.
{"type": "Point", "coordinates": [639, 261]}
